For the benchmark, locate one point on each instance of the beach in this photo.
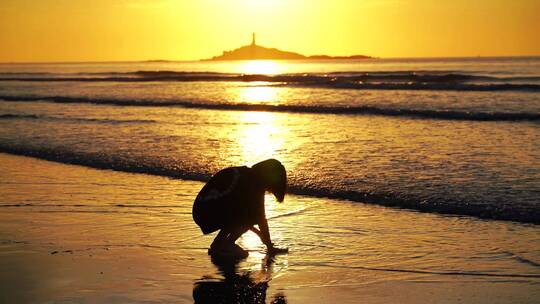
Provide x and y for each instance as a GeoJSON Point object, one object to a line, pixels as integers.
{"type": "Point", "coordinates": [73, 234]}
{"type": "Point", "coordinates": [276, 152]}
{"type": "Point", "coordinates": [409, 180]}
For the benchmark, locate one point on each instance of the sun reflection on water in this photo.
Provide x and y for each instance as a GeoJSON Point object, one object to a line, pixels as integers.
{"type": "Point", "coordinates": [266, 67]}
{"type": "Point", "coordinates": [262, 138]}
{"type": "Point", "coordinates": [255, 93]}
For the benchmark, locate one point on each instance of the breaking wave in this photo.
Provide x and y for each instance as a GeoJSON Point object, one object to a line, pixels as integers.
{"type": "Point", "coordinates": [75, 120]}
{"type": "Point", "coordinates": [402, 200]}
{"type": "Point", "coordinates": [396, 80]}
{"type": "Point", "coordinates": [344, 110]}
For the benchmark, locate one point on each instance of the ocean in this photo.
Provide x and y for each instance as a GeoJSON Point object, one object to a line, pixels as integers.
{"type": "Point", "coordinates": [455, 136]}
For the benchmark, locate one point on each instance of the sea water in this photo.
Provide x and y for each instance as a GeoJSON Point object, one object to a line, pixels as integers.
{"type": "Point", "coordinates": [78, 234]}
{"type": "Point", "coordinates": [450, 135]}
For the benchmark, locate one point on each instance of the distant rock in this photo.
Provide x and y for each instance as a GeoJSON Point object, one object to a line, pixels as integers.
{"type": "Point", "coordinates": [257, 52]}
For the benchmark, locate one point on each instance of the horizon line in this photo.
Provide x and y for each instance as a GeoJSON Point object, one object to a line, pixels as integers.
{"type": "Point", "coordinates": [307, 59]}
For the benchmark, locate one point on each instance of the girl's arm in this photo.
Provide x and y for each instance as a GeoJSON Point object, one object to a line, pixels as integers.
{"type": "Point", "coordinates": [258, 232]}
{"type": "Point", "coordinates": [264, 232]}
{"type": "Point", "coordinates": [264, 235]}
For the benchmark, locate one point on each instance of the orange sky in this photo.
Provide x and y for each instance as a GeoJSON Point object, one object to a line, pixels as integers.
{"type": "Point", "coordinates": [103, 30]}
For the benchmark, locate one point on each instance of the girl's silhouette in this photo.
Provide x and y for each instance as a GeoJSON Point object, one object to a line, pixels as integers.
{"type": "Point", "coordinates": [233, 202]}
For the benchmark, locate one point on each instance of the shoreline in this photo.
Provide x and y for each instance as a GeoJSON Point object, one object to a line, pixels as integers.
{"type": "Point", "coordinates": [443, 210]}
{"type": "Point", "coordinates": [92, 235]}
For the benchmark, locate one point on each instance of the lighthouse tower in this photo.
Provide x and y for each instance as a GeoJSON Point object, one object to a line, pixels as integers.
{"type": "Point", "coordinates": [253, 39]}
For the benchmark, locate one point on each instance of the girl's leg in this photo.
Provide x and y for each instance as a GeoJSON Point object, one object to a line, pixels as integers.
{"type": "Point", "coordinates": [238, 251]}
{"type": "Point", "coordinates": [221, 239]}
{"type": "Point", "coordinates": [236, 233]}
{"type": "Point", "coordinates": [224, 243]}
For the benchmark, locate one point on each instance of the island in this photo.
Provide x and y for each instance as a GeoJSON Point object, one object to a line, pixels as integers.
{"type": "Point", "coordinates": [257, 52]}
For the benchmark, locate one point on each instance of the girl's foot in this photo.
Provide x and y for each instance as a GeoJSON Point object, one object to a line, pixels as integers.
{"type": "Point", "coordinates": [229, 250]}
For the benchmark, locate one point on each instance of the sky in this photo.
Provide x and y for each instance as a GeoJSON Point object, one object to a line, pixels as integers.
{"type": "Point", "coordinates": [123, 30]}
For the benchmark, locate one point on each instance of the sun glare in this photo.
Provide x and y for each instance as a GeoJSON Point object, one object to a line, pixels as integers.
{"type": "Point", "coordinates": [260, 140]}
{"type": "Point", "coordinates": [264, 67]}
{"type": "Point", "coordinates": [255, 93]}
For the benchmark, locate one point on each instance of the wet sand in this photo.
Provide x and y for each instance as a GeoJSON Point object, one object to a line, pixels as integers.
{"type": "Point", "coordinates": [71, 234]}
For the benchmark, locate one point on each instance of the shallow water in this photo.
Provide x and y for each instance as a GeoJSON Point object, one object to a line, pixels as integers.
{"type": "Point", "coordinates": [130, 237]}
{"type": "Point", "coordinates": [437, 135]}
{"type": "Point", "coordinates": [489, 169]}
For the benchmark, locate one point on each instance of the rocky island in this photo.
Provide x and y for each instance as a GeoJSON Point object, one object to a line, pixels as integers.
{"type": "Point", "coordinates": [257, 52]}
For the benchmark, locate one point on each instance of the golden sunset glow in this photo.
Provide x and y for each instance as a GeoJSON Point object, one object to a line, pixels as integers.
{"type": "Point", "coordinates": [262, 138]}
{"type": "Point", "coordinates": [267, 67]}
{"type": "Point", "coordinates": [258, 93]}
{"type": "Point", "coordinates": [100, 30]}
{"type": "Point", "coordinates": [270, 151]}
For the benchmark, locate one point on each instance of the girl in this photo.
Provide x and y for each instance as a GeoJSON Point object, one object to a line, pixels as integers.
{"type": "Point", "coordinates": [233, 202]}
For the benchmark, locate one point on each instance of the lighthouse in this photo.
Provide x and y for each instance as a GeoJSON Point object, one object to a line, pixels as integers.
{"type": "Point", "coordinates": [253, 39]}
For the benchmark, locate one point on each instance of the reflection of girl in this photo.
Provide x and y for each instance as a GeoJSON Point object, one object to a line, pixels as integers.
{"type": "Point", "coordinates": [233, 202]}
{"type": "Point", "coordinates": [237, 286]}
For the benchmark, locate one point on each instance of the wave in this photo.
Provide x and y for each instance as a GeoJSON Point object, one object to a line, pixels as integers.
{"type": "Point", "coordinates": [436, 272]}
{"type": "Point", "coordinates": [416, 86]}
{"type": "Point", "coordinates": [443, 206]}
{"type": "Point", "coordinates": [90, 206]}
{"type": "Point", "coordinates": [393, 80]}
{"type": "Point", "coordinates": [75, 120]}
{"type": "Point", "coordinates": [17, 116]}
{"type": "Point", "coordinates": [344, 110]}
{"type": "Point", "coordinates": [411, 75]}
